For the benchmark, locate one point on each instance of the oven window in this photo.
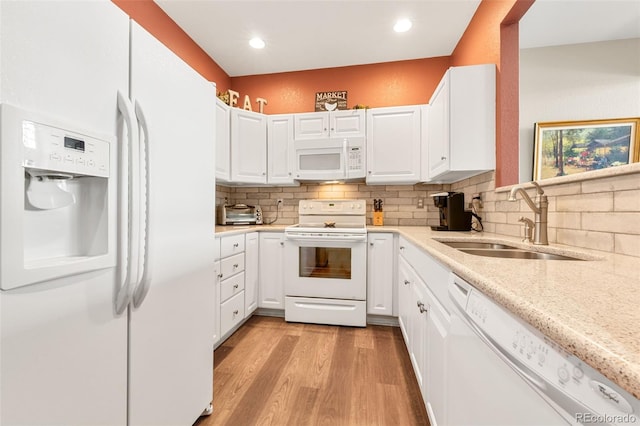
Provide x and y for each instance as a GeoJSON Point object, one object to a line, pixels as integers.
{"type": "Point", "coordinates": [325, 262]}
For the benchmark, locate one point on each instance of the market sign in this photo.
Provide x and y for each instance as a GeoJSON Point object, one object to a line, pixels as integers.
{"type": "Point", "coordinates": [329, 101]}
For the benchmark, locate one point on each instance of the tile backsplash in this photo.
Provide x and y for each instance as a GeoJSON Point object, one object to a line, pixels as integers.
{"type": "Point", "coordinates": [600, 214]}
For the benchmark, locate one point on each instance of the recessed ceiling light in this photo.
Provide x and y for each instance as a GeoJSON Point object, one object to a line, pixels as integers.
{"type": "Point", "coordinates": [402, 25]}
{"type": "Point", "coordinates": [256, 43]}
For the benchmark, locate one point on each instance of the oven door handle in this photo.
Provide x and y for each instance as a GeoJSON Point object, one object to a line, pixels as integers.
{"type": "Point", "coordinates": [337, 238]}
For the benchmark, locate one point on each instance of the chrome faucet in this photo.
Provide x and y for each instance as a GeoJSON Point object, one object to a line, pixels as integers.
{"type": "Point", "coordinates": [539, 208]}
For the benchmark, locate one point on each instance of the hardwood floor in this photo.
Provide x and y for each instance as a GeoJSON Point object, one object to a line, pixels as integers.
{"type": "Point", "coordinates": [275, 373]}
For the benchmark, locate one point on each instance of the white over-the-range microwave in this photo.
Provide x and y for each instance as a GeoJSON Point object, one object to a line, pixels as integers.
{"type": "Point", "coordinates": [330, 159]}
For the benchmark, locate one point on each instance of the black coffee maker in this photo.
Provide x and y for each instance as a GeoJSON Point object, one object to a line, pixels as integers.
{"type": "Point", "coordinates": [453, 216]}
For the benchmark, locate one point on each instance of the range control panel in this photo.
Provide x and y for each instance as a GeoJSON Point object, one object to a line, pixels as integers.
{"type": "Point", "coordinates": [554, 368]}
{"type": "Point", "coordinates": [50, 148]}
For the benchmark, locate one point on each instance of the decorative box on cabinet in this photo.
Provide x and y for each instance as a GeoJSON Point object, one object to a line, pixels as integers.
{"type": "Point", "coordinates": [321, 125]}
{"type": "Point", "coordinates": [462, 124]}
{"type": "Point", "coordinates": [393, 145]}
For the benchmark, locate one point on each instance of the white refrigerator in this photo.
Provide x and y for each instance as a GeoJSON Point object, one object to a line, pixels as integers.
{"type": "Point", "coordinates": [106, 221]}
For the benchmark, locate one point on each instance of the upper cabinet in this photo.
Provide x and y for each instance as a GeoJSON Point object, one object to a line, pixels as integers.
{"type": "Point", "coordinates": [325, 124]}
{"type": "Point", "coordinates": [248, 147]}
{"type": "Point", "coordinates": [462, 120]}
{"type": "Point", "coordinates": [393, 145]}
{"type": "Point", "coordinates": [280, 149]}
{"type": "Point", "coordinates": [223, 153]}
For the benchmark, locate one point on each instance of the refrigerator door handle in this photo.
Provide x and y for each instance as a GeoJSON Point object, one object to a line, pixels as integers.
{"type": "Point", "coordinates": [142, 286]}
{"type": "Point", "coordinates": [125, 190]}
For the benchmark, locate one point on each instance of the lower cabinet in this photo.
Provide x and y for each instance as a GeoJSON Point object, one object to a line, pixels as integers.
{"type": "Point", "coordinates": [425, 323]}
{"type": "Point", "coordinates": [216, 294]}
{"type": "Point", "coordinates": [251, 272]}
{"type": "Point", "coordinates": [380, 273]}
{"type": "Point", "coordinates": [231, 312]}
{"type": "Point", "coordinates": [271, 288]}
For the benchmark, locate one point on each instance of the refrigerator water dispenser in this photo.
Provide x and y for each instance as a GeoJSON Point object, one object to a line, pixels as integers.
{"type": "Point", "coordinates": [58, 199]}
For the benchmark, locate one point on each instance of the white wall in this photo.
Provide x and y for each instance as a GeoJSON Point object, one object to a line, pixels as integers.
{"type": "Point", "coordinates": [576, 82]}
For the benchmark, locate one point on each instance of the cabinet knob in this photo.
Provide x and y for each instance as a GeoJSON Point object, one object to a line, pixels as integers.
{"type": "Point", "coordinates": [235, 265]}
{"type": "Point", "coordinates": [407, 282]}
{"type": "Point", "coordinates": [369, 171]}
{"type": "Point", "coordinates": [235, 245]}
{"type": "Point", "coordinates": [281, 243]}
{"type": "Point", "coordinates": [264, 173]}
{"type": "Point", "coordinates": [371, 244]}
{"type": "Point", "coordinates": [421, 307]}
{"type": "Point", "coordinates": [235, 312]}
{"type": "Point", "coordinates": [235, 286]}
{"type": "Point", "coordinates": [220, 275]}
{"type": "Point", "coordinates": [332, 129]}
{"type": "Point", "coordinates": [401, 247]}
{"type": "Point", "coordinates": [289, 173]}
{"type": "Point", "coordinates": [443, 158]}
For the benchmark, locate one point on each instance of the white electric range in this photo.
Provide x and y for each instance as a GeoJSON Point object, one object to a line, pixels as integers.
{"type": "Point", "coordinates": [326, 263]}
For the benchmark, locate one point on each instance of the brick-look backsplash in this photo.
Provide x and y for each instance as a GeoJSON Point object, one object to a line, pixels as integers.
{"type": "Point", "coordinates": [400, 202]}
{"type": "Point", "coordinates": [601, 214]}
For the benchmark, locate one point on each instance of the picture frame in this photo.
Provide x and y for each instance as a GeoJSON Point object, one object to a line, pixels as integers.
{"type": "Point", "coordinates": [569, 147]}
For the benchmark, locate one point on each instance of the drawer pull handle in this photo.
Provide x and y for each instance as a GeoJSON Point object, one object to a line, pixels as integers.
{"type": "Point", "coordinates": [422, 308]}
{"type": "Point", "coordinates": [235, 286]}
{"type": "Point", "coordinates": [235, 312]}
{"type": "Point", "coordinates": [401, 247]}
{"type": "Point", "coordinates": [235, 265]}
{"type": "Point", "coordinates": [235, 245]}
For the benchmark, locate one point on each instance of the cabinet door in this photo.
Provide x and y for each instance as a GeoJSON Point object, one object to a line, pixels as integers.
{"type": "Point", "coordinates": [216, 303]}
{"type": "Point", "coordinates": [223, 141]}
{"type": "Point", "coordinates": [248, 147]}
{"type": "Point", "coordinates": [393, 145]}
{"type": "Point", "coordinates": [251, 273]}
{"type": "Point", "coordinates": [405, 281]}
{"type": "Point", "coordinates": [418, 318]}
{"type": "Point", "coordinates": [280, 149]}
{"type": "Point", "coordinates": [347, 123]}
{"type": "Point", "coordinates": [380, 274]}
{"type": "Point", "coordinates": [312, 125]}
{"type": "Point", "coordinates": [436, 355]}
{"type": "Point", "coordinates": [438, 130]}
{"type": "Point", "coordinates": [271, 288]}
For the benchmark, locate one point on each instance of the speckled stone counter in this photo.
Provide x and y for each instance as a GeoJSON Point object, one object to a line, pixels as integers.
{"type": "Point", "coordinates": [590, 308]}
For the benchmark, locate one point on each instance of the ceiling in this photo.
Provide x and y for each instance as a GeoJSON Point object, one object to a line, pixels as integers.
{"type": "Point", "coordinates": [311, 34]}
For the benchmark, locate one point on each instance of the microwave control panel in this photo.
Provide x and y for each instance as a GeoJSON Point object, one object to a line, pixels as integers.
{"type": "Point", "coordinates": [354, 162]}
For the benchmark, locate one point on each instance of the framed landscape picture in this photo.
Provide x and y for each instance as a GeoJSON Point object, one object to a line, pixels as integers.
{"type": "Point", "coordinates": [569, 147]}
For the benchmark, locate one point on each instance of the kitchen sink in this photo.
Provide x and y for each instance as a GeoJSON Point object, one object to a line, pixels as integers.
{"type": "Point", "coordinates": [516, 254]}
{"type": "Point", "coordinates": [477, 245]}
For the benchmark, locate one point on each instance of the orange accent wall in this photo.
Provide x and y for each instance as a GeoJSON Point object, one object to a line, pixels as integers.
{"type": "Point", "coordinates": [492, 37]}
{"type": "Point", "coordinates": [152, 18]}
{"type": "Point", "coordinates": [375, 85]}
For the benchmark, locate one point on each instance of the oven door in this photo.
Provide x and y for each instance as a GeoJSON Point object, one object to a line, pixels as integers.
{"type": "Point", "coordinates": [331, 267]}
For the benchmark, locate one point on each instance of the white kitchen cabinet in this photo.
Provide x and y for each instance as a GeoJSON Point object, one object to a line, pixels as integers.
{"type": "Point", "coordinates": [329, 124]}
{"type": "Point", "coordinates": [418, 317]}
{"type": "Point", "coordinates": [380, 273]}
{"type": "Point", "coordinates": [280, 151]}
{"type": "Point", "coordinates": [394, 145]}
{"type": "Point", "coordinates": [406, 278]}
{"type": "Point", "coordinates": [216, 294]}
{"type": "Point", "coordinates": [248, 146]}
{"type": "Point", "coordinates": [223, 142]}
{"type": "Point", "coordinates": [435, 380]}
{"type": "Point", "coordinates": [271, 287]}
{"type": "Point", "coordinates": [462, 124]}
{"type": "Point", "coordinates": [251, 273]}
{"type": "Point", "coordinates": [232, 282]}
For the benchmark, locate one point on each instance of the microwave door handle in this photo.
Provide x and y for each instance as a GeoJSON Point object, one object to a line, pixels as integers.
{"type": "Point", "coordinates": [344, 156]}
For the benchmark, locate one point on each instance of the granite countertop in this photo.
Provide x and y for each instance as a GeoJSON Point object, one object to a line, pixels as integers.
{"type": "Point", "coordinates": [590, 308]}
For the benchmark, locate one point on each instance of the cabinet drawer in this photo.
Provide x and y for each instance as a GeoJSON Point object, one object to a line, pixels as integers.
{"type": "Point", "coordinates": [232, 265]}
{"type": "Point", "coordinates": [231, 313]}
{"type": "Point", "coordinates": [231, 286]}
{"type": "Point", "coordinates": [231, 245]}
{"type": "Point", "coordinates": [431, 272]}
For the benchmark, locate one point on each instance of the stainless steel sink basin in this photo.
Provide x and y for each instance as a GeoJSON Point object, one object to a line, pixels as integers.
{"type": "Point", "coordinates": [516, 254]}
{"type": "Point", "coordinates": [477, 245]}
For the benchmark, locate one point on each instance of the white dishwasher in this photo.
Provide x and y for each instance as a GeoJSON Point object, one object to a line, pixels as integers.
{"type": "Point", "coordinates": [502, 371]}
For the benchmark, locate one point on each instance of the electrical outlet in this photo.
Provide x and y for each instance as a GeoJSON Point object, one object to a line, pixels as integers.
{"type": "Point", "coordinates": [420, 203]}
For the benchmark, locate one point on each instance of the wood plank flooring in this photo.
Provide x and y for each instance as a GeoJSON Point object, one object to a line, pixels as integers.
{"type": "Point", "coordinates": [275, 373]}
